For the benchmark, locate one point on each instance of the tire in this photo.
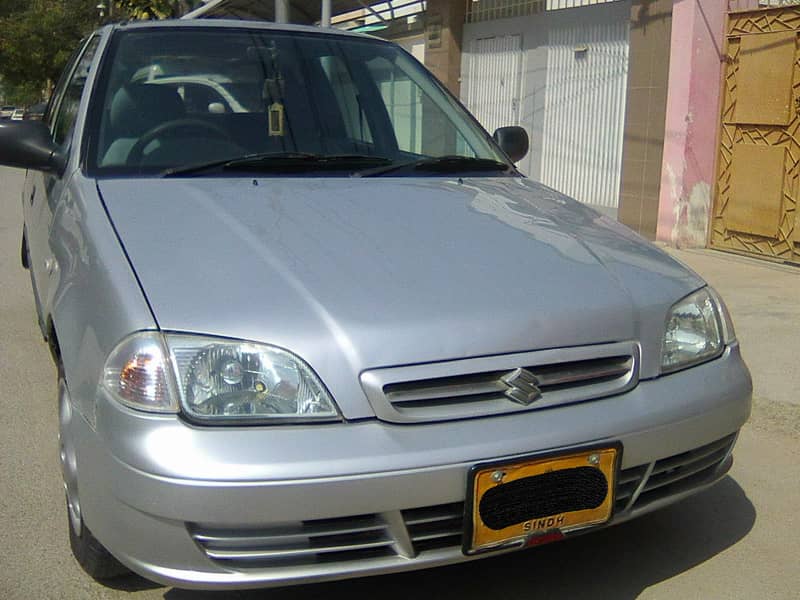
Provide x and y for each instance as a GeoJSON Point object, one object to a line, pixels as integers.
{"type": "Point", "coordinates": [91, 555]}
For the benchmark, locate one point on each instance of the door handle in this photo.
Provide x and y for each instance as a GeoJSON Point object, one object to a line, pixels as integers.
{"type": "Point", "coordinates": [33, 195]}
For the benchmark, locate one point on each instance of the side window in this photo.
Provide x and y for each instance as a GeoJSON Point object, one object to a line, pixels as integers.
{"type": "Point", "coordinates": [71, 99]}
{"type": "Point", "coordinates": [58, 91]}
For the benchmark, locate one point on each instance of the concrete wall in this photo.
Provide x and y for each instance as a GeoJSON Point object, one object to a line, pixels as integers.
{"type": "Point", "coordinates": [444, 24]}
{"type": "Point", "coordinates": [692, 122]}
{"type": "Point", "coordinates": [648, 76]}
{"type": "Point", "coordinates": [672, 107]}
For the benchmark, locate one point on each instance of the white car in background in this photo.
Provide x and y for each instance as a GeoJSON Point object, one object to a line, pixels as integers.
{"type": "Point", "coordinates": [200, 92]}
{"type": "Point", "coordinates": [203, 93]}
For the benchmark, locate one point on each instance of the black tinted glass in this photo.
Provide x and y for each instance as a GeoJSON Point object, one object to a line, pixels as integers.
{"type": "Point", "coordinates": [68, 107]}
{"type": "Point", "coordinates": [179, 97]}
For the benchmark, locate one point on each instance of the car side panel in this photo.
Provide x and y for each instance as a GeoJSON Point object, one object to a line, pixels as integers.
{"type": "Point", "coordinates": [94, 298]}
{"type": "Point", "coordinates": [42, 193]}
{"type": "Point", "coordinates": [30, 231]}
{"type": "Point", "coordinates": [45, 195]}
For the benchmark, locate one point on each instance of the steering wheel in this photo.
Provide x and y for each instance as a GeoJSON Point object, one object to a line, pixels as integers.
{"type": "Point", "coordinates": [177, 128]}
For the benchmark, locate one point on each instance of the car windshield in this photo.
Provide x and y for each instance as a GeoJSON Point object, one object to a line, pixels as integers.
{"type": "Point", "coordinates": [184, 101]}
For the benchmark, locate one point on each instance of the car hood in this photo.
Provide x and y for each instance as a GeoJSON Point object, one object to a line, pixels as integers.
{"type": "Point", "coordinates": [353, 274]}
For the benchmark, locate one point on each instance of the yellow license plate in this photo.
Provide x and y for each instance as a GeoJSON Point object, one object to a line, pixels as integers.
{"type": "Point", "coordinates": [539, 499]}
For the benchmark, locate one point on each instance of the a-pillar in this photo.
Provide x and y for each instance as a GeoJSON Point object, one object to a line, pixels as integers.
{"type": "Point", "coordinates": [692, 121]}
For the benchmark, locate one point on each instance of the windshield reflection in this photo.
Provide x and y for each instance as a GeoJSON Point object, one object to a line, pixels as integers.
{"type": "Point", "coordinates": [179, 97]}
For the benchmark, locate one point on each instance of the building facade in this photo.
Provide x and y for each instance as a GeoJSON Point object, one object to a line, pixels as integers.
{"type": "Point", "coordinates": [668, 115]}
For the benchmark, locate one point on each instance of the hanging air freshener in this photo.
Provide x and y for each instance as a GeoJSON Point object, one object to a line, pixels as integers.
{"type": "Point", "coordinates": [275, 113]}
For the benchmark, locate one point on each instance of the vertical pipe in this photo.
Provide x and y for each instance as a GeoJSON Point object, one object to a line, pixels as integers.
{"type": "Point", "coordinates": [325, 17]}
{"type": "Point", "coordinates": [281, 11]}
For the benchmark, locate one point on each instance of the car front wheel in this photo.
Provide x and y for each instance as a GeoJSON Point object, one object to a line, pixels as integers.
{"type": "Point", "coordinates": [91, 555]}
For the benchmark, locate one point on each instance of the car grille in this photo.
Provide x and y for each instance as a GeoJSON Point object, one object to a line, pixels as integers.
{"type": "Point", "coordinates": [501, 384]}
{"type": "Point", "coordinates": [433, 527]}
{"type": "Point", "coordinates": [412, 532]}
{"type": "Point", "coordinates": [627, 484]}
{"type": "Point", "coordinates": [673, 475]}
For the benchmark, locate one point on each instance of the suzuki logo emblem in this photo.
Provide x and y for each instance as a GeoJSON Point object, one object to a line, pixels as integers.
{"type": "Point", "coordinates": [522, 386]}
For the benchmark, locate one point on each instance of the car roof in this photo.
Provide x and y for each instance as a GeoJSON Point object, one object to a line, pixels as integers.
{"type": "Point", "coordinates": [238, 24]}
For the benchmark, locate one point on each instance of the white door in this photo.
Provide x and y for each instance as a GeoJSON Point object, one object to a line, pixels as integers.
{"type": "Point", "coordinates": [493, 82]}
{"type": "Point", "coordinates": [584, 115]}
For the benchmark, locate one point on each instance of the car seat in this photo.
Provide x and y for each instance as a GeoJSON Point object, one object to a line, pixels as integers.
{"type": "Point", "coordinates": [136, 109]}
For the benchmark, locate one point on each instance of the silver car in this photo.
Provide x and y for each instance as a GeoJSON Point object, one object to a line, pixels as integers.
{"type": "Point", "coordinates": [337, 333]}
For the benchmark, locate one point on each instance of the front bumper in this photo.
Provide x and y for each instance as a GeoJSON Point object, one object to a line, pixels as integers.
{"type": "Point", "coordinates": [239, 508]}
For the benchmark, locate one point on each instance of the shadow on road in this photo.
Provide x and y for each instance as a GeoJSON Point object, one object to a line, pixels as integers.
{"type": "Point", "coordinates": [618, 562]}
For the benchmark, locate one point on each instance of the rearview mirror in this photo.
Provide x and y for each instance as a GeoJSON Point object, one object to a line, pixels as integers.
{"type": "Point", "coordinates": [513, 141]}
{"type": "Point", "coordinates": [27, 145]}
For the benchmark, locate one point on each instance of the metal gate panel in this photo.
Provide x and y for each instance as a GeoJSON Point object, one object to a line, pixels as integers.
{"type": "Point", "coordinates": [493, 84]}
{"type": "Point", "coordinates": [758, 167]}
{"type": "Point", "coordinates": [587, 73]}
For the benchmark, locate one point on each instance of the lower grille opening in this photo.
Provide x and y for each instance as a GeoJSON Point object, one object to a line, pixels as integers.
{"type": "Point", "coordinates": [369, 537]}
{"type": "Point", "coordinates": [685, 471]}
{"type": "Point", "coordinates": [300, 543]}
{"type": "Point", "coordinates": [627, 482]}
{"type": "Point", "coordinates": [318, 559]}
{"type": "Point", "coordinates": [435, 527]}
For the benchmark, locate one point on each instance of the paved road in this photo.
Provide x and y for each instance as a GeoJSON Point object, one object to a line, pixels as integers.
{"type": "Point", "coordinates": [737, 540]}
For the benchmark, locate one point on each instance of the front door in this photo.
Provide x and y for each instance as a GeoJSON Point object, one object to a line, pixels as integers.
{"type": "Point", "coordinates": [43, 191]}
{"type": "Point", "coordinates": [756, 206]}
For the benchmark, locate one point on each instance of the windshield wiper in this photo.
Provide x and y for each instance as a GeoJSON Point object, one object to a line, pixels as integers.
{"type": "Point", "coordinates": [290, 162]}
{"type": "Point", "coordinates": [441, 164]}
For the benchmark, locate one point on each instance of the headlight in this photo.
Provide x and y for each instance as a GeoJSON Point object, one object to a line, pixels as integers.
{"type": "Point", "coordinates": [221, 380]}
{"type": "Point", "coordinates": [215, 380]}
{"type": "Point", "coordinates": [694, 331]}
{"type": "Point", "coordinates": [138, 374]}
{"type": "Point", "coordinates": [728, 332]}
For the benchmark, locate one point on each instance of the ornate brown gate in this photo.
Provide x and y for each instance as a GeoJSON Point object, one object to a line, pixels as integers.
{"type": "Point", "coordinates": [756, 202]}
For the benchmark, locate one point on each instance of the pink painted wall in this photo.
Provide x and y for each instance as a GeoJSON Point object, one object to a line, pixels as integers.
{"type": "Point", "coordinates": [687, 172]}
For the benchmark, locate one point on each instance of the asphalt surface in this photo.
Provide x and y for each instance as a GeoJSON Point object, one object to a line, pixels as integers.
{"type": "Point", "coordinates": [737, 540]}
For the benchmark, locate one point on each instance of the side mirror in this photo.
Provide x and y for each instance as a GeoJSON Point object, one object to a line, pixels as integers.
{"type": "Point", "coordinates": [27, 145]}
{"type": "Point", "coordinates": [513, 141]}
